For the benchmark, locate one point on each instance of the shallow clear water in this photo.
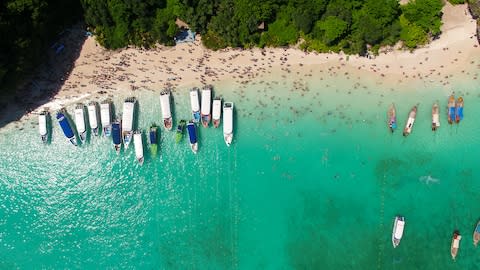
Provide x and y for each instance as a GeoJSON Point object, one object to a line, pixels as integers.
{"type": "Point", "coordinates": [312, 181]}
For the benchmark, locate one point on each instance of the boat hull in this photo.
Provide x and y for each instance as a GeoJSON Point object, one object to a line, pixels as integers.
{"type": "Point", "coordinates": [455, 244]}
{"type": "Point", "coordinates": [216, 123]}
{"type": "Point", "coordinates": [66, 128]}
{"type": "Point", "coordinates": [228, 122]}
{"type": "Point", "coordinates": [117, 136]}
{"type": "Point", "coordinates": [167, 123]}
{"type": "Point", "coordinates": [43, 126]}
{"type": "Point", "coordinates": [153, 140]}
{"type": "Point", "coordinates": [435, 117]}
{"type": "Point", "coordinates": [451, 109]}
{"type": "Point", "coordinates": [127, 138]}
{"type": "Point", "coordinates": [137, 139]}
{"type": "Point", "coordinates": [206, 120]}
{"type": "Point", "coordinates": [228, 139]}
{"type": "Point", "coordinates": [192, 134]}
{"type": "Point", "coordinates": [392, 118]}
{"type": "Point", "coordinates": [476, 234]}
{"type": "Point", "coordinates": [410, 121]}
{"type": "Point", "coordinates": [459, 110]}
{"type": "Point", "coordinates": [107, 131]}
{"type": "Point", "coordinates": [397, 233]}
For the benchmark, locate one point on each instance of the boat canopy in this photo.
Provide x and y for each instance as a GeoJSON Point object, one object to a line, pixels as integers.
{"type": "Point", "coordinates": [92, 115]}
{"type": "Point", "coordinates": [105, 115]}
{"type": "Point", "coordinates": [80, 120]}
{"type": "Point", "coordinates": [137, 139]}
{"type": "Point", "coordinates": [194, 100]}
{"type": "Point", "coordinates": [192, 133]}
{"type": "Point", "coordinates": [227, 118]}
{"type": "Point", "coordinates": [153, 136]}
{"type": "Point", "coordinates": [456, 241]}
{"type": "Point", "coordinates": [436, 119]}
{"type": "Point", "coordinates": [217, 108]}
{"type": "Point", "coordinates": [165, 104]}
{"type": "Point", "coordinates": [477, 229]}
{"type": "Point", "coordinates": [127, 119]}
{"type": "Point", "coordinates": [206, 101]}
{"type": "Point", "coordinates": [116, 133]}
{"type": "Point", "coordinates": [399, 229]}
{"type": "Point", "coordinates": [460, 113]}
{"type": "Point", "coordinates": [67, 129]}
{"type": "Point", "coordinates": [42, 124]}
{"type": "Point", "coordinates": [451, 112]}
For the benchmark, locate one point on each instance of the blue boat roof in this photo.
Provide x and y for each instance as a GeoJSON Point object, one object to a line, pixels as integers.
{"type": "Point", "coordinates": [65, 125]}
{"type": "Point", "coordinates": [153, 137]}
{"type": "Point", "coordinates": [477, 229]}
{"type": "Point", "coordinates": [192, 133]}
{"type": "Point", "coordinates": [116, 133]}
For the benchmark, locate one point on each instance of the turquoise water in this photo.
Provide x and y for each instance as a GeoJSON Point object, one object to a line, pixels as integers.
{"type": "Point", "coordinates": [312, 181]}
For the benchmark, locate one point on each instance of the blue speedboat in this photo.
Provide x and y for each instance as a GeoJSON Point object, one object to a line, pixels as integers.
{"type": "Point", "coordinates": [66, 128]}
{"type": "Point", "coordinates": [192, 134]}
{"type": "Point", "coordinates": [117, 135]}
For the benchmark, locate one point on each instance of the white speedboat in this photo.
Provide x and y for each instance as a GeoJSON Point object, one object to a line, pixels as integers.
{"type": "Point", "coordinates": [455, 244]}
{"type": "Point", "coordinates": [166, 111]}
{"type": "Point", "coordinates": [127, 121]}
{"type": "Point", "coordinates": [93, 117]}
{"type": "Point", "coordinates": [228, 122]}
{"type": "Point", "coordinates": [43, 125]}
{"type": "Point", "coordinates": [137, 140]}
{"type": "Point", "coordinates": [106, 117]}
{"type": "Point", "coordinates": [206, 105]}
{"type": "Point", "coordinates": [80, 121]}
{"type": "Point", "coordinates": [411, 119]}
{"type": "Point", "coordinates": [397, 233]}
{"type": "Point", "coordinates": [216, 111]}
{"type": "Point", "coordinates": [195, 104]}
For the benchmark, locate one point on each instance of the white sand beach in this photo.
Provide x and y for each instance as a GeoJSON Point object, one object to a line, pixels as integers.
{"type": "Point", "coordinates": [98, 73]}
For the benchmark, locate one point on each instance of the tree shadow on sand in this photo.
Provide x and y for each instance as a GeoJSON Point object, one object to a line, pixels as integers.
{"type": "Point", "coordinates": [47, 79]}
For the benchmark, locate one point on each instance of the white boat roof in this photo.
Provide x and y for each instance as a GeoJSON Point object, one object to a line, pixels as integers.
{"type": "Point", "coordinates": [410, 121]}
{"type": "Point", "coordinates": [436, 119]}
{"type": "Point", "coordinates": [399, 229]}
{"type": "Point", "coordinates": [217, 108]}
{"type": "Point", "coordinates": [137, 140]}
{"type": "Point", "coordinates": [42, 124]}
{"type": "Point", "coordinates": [206, 101]}
{"type": "Point", "coordinates": [456, 242]}
{"type": "Point", "coordinates": [227, 118]}
{"type": "Point", "coordinates": [92, 116]}
{"type": "Point", "coordinates": [127, 118]}
{"type": "Point", "coordinates": [105, 115]}
{"type": "Point", "coordinates": [165, 104]}
{"type": "Point", "coordinates": [194, 100]}
{"type": "Point", "coordinates": [80, 120]}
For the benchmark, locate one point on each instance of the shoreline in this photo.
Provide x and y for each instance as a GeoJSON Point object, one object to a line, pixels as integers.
{"type": "Point", "coordinates": [99, 74]}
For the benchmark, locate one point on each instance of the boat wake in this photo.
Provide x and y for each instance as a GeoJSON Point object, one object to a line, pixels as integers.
{"type": "Point", "coordinates": [427, 179]}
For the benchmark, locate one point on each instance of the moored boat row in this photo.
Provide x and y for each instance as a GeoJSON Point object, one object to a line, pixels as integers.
{"type": "Point", "coordinates": [399, 226]}
{"type": "Point", "coordinates": [123, 131]}
{"type": "Point", "coordinates": [454, 113]}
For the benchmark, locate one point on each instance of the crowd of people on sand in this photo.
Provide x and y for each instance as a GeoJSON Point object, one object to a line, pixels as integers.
{"type": "Point", "coordinates": [84, 68]}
